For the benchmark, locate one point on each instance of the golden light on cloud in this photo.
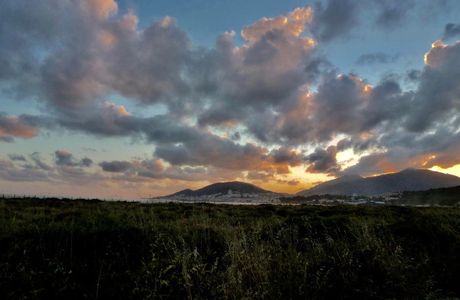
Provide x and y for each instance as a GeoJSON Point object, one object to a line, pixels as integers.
{"type": "Point", "coordinates": [17, 128]}
{"type": "Point", "coordinates": [119, 110]}
{"type": "Point", "coordinates": [432, 57]}
{"type": "Point", "coordinates": [129, 21]}
{"type": "Point", "coordinates": [428, 159]}
{"type": "Point", "coordinates": [107, 39]}
{"type": "Point", "coordinates": [309, 42]}
{"type": "Point", "coordinates": [166, 22]}
{"type": "Point", "coordinates": [293, 24]}
{"type": "Point", "coordinates": [101, 9]}
{"type": "Point", "coordinates": [367, 89]}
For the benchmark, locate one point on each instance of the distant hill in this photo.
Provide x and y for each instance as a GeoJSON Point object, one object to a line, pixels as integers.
{"type": "Point", "coordinates": [406, 180]}
{"type": "Point", "coordinates": [222, 188]}
{"type": "Point", "coordinates": [444, 197]}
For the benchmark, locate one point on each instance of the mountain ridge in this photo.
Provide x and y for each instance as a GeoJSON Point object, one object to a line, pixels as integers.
{"type": "Point", "coordinates": [222, 188]}
{"type": "Point", "coordinates": [405, 180]}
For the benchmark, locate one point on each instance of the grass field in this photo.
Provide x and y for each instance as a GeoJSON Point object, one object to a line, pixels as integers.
{"type": "Point", "coordinates": [56, 249]}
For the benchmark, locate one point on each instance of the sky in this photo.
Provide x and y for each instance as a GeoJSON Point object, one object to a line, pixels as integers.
{"type": "Point", "coordinates": [131, 99]}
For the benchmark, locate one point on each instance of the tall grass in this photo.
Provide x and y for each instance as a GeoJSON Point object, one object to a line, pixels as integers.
{"type": "Point", "coordinates": [53, 249]}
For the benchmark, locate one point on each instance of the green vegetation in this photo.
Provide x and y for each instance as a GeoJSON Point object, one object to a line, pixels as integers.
{"type": "Point", "coordinates": [443, 197]}
{"type": "Point", "coordinates": [52, 249]}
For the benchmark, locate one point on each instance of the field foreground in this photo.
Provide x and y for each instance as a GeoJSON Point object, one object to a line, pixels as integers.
{"type": "Point", "coordinates": [56, 249]}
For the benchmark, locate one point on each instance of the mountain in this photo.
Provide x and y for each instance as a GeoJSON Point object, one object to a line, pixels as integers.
{"type": "Point", "coordinates": [222, 188]}
{"type": "Point", "coordinates": [406, 180]}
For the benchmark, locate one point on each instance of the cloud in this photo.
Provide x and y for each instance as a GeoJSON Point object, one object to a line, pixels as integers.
{"type": "Point", "coordinates": [100, 9]}
{"type": "Point", "coordinates": [413, 75]}
{"type": "Point", "coordinates": [14, 126]}
{"type": "Point", "coordinates": [115, 166]}
{"type": "Point", "coordinates": [251, 106]}
{"type": "Point", "coordinates": [371, 164]}
{"type": "Point", "coordinates": [376, 58]}
{"type": "Point", "coordinates": [292, 24]}
{"type": "Point", "coordinates": [451, 30]}
{"type": "Point", "coordinates": [342, 105]}
{"type": "Point", "coordinates": [90, 51]}
{"type": "Point", "coordinates": [392, 12]}
{"type": "Point", "coordinates": [17, 157]}
{"type": "Point", "coordinates": [65, 158]}
{"type": "Point", "coordinates": [335, 19]}
{"type": "Point", "coordinates": [35, 157]}
{"type": "Point", "coordinates": [323, 161]}
{"type": "Point", "coordinates": [148, 169]}
{"type": "Point", "coordinates": [210, 150]}
{"type": "Point", "coordinates": [286, 155]}
{"type": "Point", "coordinates": [439, 80]}
{"type": "Point", "coordinates": [6, 139]}
{"type": "Point", "coordinates": [9, 172]}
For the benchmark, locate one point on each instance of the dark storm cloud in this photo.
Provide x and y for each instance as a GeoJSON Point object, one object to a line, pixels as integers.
{"type": "Point", "coordinates": [286, 155]}
{"type": "Point", "coordinates": [358, 145]}
{"type": "Point", "coordinates": [392, 12]}
{"type": "Point", "coordinates": [203, 149]}
{"type": "Point", "coordinates": [413, 75]}
{"type": "Point", "coordinates": [65, 158]}
{"type": "Point", "coordinates": [323, 161]}
{"type": "Point", "coordinates": [345, 104]}
{"type": "Point", "coordinates": [436, 99]}
{"type": "Point", "coordinates": [451, 30]}
{"type": "Point", "coordinates": [342, 104]}
{"type": "Point", "coordinates": [335, 19]}
{"type": "Point", "coordinates": [141, 170]}
{"type": "Point", "coordinates": [17, 157]}
{"type": "Point", "coordinates": [376, 58]}
{"type": "Point", "coordinates": [115, 166]}
{"type": "Point", "coordinates": [86, 162]}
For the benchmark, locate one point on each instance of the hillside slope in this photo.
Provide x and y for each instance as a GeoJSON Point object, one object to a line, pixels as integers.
{"type": "Point", "coordinates": [406, 180]}
{"type": "Point", "coordinates": [223, 188]}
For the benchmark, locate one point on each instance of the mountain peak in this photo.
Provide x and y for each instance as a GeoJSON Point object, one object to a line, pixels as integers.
{"type": "Point", "coordinates": [348, 177]}
{"type": "Point", "coordinates": [406, 180]}
{"type": "Point", "coordinates": [412, 170]}
{"type": "Point", "coordinates": [223, 188]}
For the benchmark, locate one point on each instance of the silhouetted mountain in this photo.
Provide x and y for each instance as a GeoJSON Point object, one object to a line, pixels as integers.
{"type": "Point", "coordinates": [406, 180]}
{"type": "Point", "coordinates": [222, 188]}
